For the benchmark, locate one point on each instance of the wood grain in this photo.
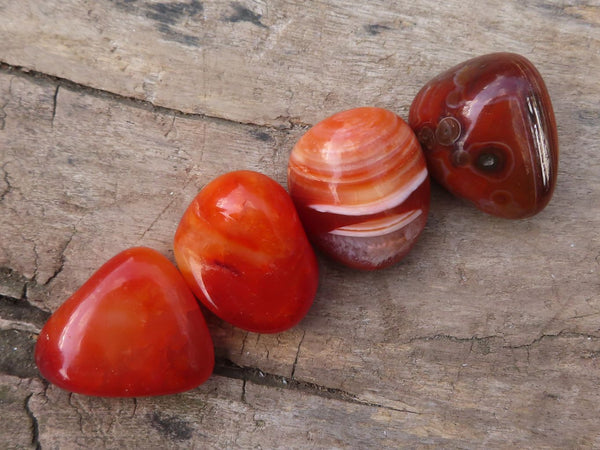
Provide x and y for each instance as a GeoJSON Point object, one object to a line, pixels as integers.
{"type": "Point", "coordinates": [113, 114]}
{"type": "Point", "coordinates": [278, 62]}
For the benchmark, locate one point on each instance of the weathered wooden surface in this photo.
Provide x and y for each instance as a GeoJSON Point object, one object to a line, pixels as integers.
{"type": "Point", "coordinates": [114, 113]}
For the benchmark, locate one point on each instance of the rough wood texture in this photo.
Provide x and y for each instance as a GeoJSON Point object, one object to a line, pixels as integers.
{"type": "Point", "coordinates": [114, 113]}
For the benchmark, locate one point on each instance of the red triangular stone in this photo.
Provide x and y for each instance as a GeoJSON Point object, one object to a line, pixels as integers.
{"type": "Point", "coordinates": [133, 329]}
{"type": "Point", "coordinates": [488, 132]}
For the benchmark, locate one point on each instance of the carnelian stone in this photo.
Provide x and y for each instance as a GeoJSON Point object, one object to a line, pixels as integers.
{"type": "Point", "coordinates": [359, 181]}
{"type": "Point", "coordinates": [488, 131]}
{"type": "Point", "coordinates": [242, 249]}
{"type": "Point", "coordinates": [133, 329]}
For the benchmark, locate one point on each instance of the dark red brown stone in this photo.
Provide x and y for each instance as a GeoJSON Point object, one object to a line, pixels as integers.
{"type": "Point", "coordinates": [488, 131]}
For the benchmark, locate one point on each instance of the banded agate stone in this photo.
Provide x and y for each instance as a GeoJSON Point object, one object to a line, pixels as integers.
{"type": "Point", "coordinates": [360, 185]}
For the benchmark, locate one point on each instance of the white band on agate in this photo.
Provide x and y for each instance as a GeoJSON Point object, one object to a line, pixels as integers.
{"type": "Point", "coordinates": [382, 204]}
{"type": "Point", "coordinates": [378, 227]}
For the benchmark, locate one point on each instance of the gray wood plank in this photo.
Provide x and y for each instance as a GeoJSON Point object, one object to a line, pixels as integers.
{"type": "Point", "coordinates": [282, 62]}
{"type": "Point", "coordinates": [485, 336]}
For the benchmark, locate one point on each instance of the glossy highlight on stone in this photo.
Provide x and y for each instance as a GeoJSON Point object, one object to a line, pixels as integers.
{"type": "Point", "coordinates": [242, 249]}
{"type": "Point", "coordinates": [488, 131]}
{"type": "Point", "coordinates": [133, 329]}
{"type": "Point", "coordinates": [359, 181]}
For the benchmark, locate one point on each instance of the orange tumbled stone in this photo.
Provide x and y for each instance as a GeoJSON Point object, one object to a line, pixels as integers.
{"type": "Point", "coordinates": [242, 249]}
{"type": "Point", "coordinates": [133, 329]}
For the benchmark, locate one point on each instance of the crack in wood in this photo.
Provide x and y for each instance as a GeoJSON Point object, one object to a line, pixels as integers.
{"type": "Point", "coordinates": [135, 406]}
{"type": "Point", "coordinates": [187, 181]}
{"type": "Point", "coordinates": [8, 187]}
{"type": "Point", "coordinates": [243, 398]}
{"type": "Point", "coordinates": [62, 258]}
{"type": "Point", "coordinates": [452, 338]}
{"type": "Point", "coordinates": [561, 334]}
{"type": "Point", "coordinates": [19, 310]}
{"type": "Point", "coordinates": [36, 257]}
{"type": "Point", "coordinates": [583, 316]}
{"type": "Point", "coordinates": [77, 411]}
{"type": "Point", "coordinates": [156, 219]}
{"type": "Point", "coordinates": [3, 116]}
{"type": "Point", "coordinates": [171, 127]}
{"type": "Point", "coordinates": [297, 355]}
{"type": "Point", "coordinates": [54, 105]}
{"type": "Point", "coordinates": [35, 428]}
{"type": "Point", "coordinates": [229, 369]}
{"type": "Point", "coordinates": [244, 343]}
{"type": "Point", "coordinates": [291, 123]}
